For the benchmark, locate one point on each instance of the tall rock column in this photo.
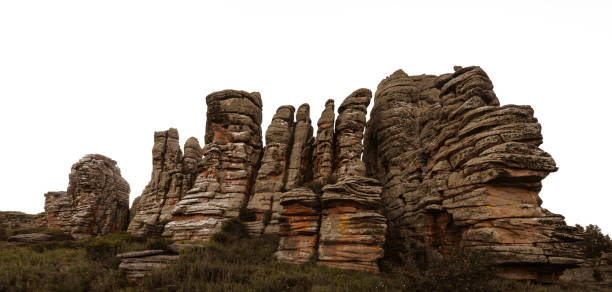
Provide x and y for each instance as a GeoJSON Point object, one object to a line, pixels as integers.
{"type": "Point", "coordinates": [270, 182]}
{"type": "Point", "coordinates": [323, 156]}
{"type": "Point", "coordinates": [300, 169]}
{"type": "Point", "coordinates": [96, 202]}
{"type": "Point", "coordinates": [171, 176]}
{"type": "Point", "coordinates": [349, 133]}
{"type": "Point", "coordinates": [229, 164]}
{"type": "Point", "coordinates": [459, 170]}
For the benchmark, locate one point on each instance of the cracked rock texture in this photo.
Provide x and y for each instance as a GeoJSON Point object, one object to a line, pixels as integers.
{"type": "Point", "coordinates": [323, 153]}
{"type": "Point", "coordinates": [172, 175]}
{"type": "Point", "coordinates": [353, 228]}
{"type": "Point", "coordinates": [20, 220]}
{"type": "Point", "coordinates": [299, 226]}
{"type": "Point", "coordinates": [96, 201]}
{"type": "Point", "coordinates": [300, 169]}
{"type": "Point", "coordinates": [229, 164]}
{"type": "Point", "coordinates": [459, 170]}
{"type": "Point", "coordinates": [272, 175]}
{"type": "Point", "coordinates": [349, 133]}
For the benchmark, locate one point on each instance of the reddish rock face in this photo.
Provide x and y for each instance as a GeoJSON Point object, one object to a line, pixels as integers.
{"type": "Point", "coordinates": [173, 174]}
{"type": "Point", "coordinates": [460, 170]}
{"type": "Point", "coordinates": [96, 202]}
{"type": "Point", "coordinates": [230, 158]}
{"type": "Point", "coordinates": [299, 226]}
{"type": "Point", "coordinates": [353, 228]}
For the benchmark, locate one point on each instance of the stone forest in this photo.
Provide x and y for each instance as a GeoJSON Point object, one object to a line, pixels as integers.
{"type": "Point", "coordinates": [439, 166]}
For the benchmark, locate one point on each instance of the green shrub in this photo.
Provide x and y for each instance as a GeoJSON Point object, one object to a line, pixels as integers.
{"type": "Point", "coordinates": [317, 185]}
{"type": "Point", "coordinates": [595, 242]}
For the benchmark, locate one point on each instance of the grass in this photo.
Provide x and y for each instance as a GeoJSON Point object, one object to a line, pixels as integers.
{"type": "Point", "coordinates": [233, 261]}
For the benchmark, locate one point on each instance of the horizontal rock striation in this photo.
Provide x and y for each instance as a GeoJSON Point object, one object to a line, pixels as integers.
{"type": "Point", "coordinates": [96, 201]}
{"type": "Point", "coordinates": [349, 133]}
{"type": "Point", "coordinates": [323, 152]}
{"type": "Point", "coordinates": [299, 226]}
{"type": "Point", "coordinates": [300, 169]}
{"type": "Point", "coordinates": [172, 175]}
{"type": "Point", "coordinates": [20, 220]}
{"type": "Point", "coordinates": [459, 170]}
{"type": "Point", "coordinates": [272, 175]}
{"type": "Point", "coordinates": [230, 159]}
{"type": "Point", "coordinates": [135, 265]}
{"type": "Point", "coordinates": [353, 228]}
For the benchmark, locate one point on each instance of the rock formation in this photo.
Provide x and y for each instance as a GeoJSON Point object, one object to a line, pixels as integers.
{"type": "Point", "coordinates": [323, 156]}
{"type": "Point", "coordinates": [272, 175]}
{"type": "Point", "coordinates": [96, 202]}
{"type": "Point", "coordinates": [299, 162]}
{"type": "Point", "coordinates": [138, 263]}
{"type": "Point", "coordinates": [20, 220]}
{"type": "Point", "coordinates": [299, 226]}
{"type": "Point", "coordinates": [461, 171]}
{"type": "Point", "coordinates": [172, 175]}
{"type": "Point", "coordinates": [349, 133]}
{"type": "Point", "coordinates": [594, 272]}
{"type": "Point", "coordinates": [353, 228]}
{"type": "Point", "coordinates": [229, 164]}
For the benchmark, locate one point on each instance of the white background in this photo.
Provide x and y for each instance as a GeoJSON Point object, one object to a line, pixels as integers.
{"type": "Point", "coordinates": [80, 77]}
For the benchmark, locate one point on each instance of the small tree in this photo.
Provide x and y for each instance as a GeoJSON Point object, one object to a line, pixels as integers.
{"type": "Point", "coordinates": [594, 242]}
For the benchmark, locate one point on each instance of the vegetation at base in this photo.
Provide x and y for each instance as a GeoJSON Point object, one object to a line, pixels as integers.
{"type": "Point", "coordinates": [233, 261]}
{"type": "Point", "coordinates": [595, 243]}
{"type": "Point", "coordinates": [317, 185]}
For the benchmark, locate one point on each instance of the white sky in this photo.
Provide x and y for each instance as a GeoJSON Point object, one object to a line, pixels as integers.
{"type": "Point", "coordinates": [80, 77]}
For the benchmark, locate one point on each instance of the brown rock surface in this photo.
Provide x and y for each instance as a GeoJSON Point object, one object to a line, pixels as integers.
{"type": "Point", "coordinates": [96, 202]}
{"type": "Point", "coordinates": [230, 160]}
{"type": "Point", "coordinates": [172, 175]}
{"type": "Point", "coordinates": [20, 220]}
{"type": "Point", "coordinates": [460, 170]}
{"type": "Point", "coordinates": [353, 228]}
{"type": "Point", "coordinates": [323, 156]}
{"type": "Point", "coordinates": [300, 164]}
{"type": "Point", "coordinates": [272, 174]}
{"type": "Point", "coordinates": [299, 226]}
{"type": "Point", "coordinates": [135, 265]}
{"type": "Point", "coordinates": [349, 133]}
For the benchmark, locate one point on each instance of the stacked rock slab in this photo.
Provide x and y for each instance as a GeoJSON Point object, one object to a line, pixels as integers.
{"type": "Point", "coordinates": [461, 171]}
{"type": "Point", "coordinates": [135, 265]}
{"type": "Point", "coordinates": [353, 228]}
{"type": "Point", "coordinates": [300, 168]}
{"type": "Point", "coordinates": [299, 226]}
{"type": "Point", "coordinates": [171, 176]}
{"type": "Point", "coordinates": [349, 133]}
{"type": "Point", "coordinates": [20, 220]}
{"type": "Point", "coordinates": [96, 202]}
{"type": "Point", "coordinates": [323, 153]}
{"type": "Point", "coordinates": [272, 175]}
{"type": "Point", "coordinates": [229, 163]}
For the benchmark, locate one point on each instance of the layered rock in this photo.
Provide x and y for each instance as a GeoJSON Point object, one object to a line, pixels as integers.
{"type": "Point", "coordinates": [349, 133]}
{"type": "Point", "coordinates": [353, 228]}
{"type": "Point", "coordinates": [461, 171]}
{"type": "Point", "coordinates": [272, 175]}
{"type": "Point", "coordinates": [135, 265]}
{"type": "Point", "coordinates": [230, 161]}
{"type": "Point", "coordinates": [20, 220]}
{"type": "Point", "coordinates": [594, 272]}
{"type": "Point", "coordinates": [323, 153]}
{"type": "Point", "coordinates": [299, 226]}
{"type": "Point", "coordinates": [96, 202]}
{"type": "Point", "coordinates": [300, 167]}
{"type": "Point", "coordinates": [603, 270]}
{"type": "Point", "coordinates": [172, 175]}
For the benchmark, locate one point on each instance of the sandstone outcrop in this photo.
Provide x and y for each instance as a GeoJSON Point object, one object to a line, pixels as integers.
{"type": "Point", "coordinates": [20, 220]}
{"type": "Point", "coordinates": [96, 202]}
{"type": "Point", "coordinates": [172, 175]}
{"type": "Point", "coordinates": [135, 265]}
{"type": "Point", "coordinates": [459, 170]}
{"type": "Point", "coordinates": [353, 228]}
{"type": "Point", "coordinates": [229, 164]}
{"type": "Point", "coordinates": [300, 170]}
{"type": "Point", "coordinates": [323, 153]}
{"type": "Point", "coordinates": [299, 226]}
{"type": "Point", "coordinates": [594, 272]}
{"type": "Point", "coordinates": [272, 175]}
{"type": "Point", "coordinates": [349, 133]}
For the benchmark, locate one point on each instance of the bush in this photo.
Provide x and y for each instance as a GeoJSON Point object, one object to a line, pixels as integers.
{"type": "Point", "coordinates": [317, 185]}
